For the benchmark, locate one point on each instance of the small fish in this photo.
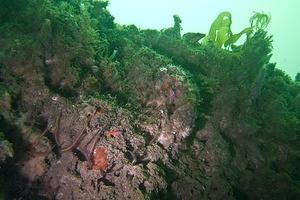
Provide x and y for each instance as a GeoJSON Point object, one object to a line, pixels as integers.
{"type": "Point", "coordinates": [116, 132]}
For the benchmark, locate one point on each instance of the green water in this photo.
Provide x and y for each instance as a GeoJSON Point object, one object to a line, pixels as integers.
{"type": "Point", "coordinates": [197, 15]}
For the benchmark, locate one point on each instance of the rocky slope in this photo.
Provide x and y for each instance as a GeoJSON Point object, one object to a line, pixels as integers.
{"type": "Point", "coordinates": [90, 109]}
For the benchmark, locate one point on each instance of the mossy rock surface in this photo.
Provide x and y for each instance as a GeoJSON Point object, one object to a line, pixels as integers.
{"type": "Point", "coordinates": [169, 116]}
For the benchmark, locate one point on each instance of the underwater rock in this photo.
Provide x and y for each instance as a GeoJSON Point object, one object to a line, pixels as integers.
{"type": "Point", "coordinates": [193, 38]}
{"type": "Point", "coordinates": [201, 121]}
{"type": "Point", "coordinates": [34, 168]}
{"type": "Point", "coordinates": [188, 188]}
{"type": "Point", "coordinates": [110, 172]}
{"type": "Point", "coordinates": [173, 111]}
{"type": "Point", "coordinates": [33, 165]}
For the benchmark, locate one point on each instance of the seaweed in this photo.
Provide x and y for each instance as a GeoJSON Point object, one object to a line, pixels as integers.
{"type": "Point", "coordinates": [220, 31]}
{"type": "Point", "coordinates": [6, 149]}
{"type": "Point", "coordinates": [259, 21]}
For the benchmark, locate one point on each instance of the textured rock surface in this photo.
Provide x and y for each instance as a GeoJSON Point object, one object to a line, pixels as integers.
{"type": "Point", "coordinates": [90, 109]}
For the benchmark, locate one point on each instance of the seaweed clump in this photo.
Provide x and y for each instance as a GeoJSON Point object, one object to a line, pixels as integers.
{"type": "Point", "coordinates": [6, 150]}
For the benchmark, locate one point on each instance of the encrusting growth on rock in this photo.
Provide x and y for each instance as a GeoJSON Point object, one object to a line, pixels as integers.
{"type": "Point", "coordinates": [90, 109]}
{"type": "Point", "coordinates": [100, 161]}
